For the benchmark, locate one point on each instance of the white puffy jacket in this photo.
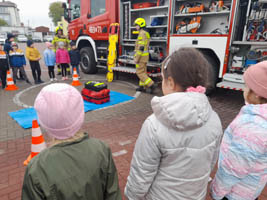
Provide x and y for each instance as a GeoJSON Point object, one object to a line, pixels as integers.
{"type": "Point", "coordinates": [176, 150]}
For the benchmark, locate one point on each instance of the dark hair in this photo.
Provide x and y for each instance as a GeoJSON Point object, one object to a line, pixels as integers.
{"type": "Point", "coordinates": [188, 67]}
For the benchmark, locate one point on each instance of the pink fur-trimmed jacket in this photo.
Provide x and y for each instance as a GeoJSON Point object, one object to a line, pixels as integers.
{"type": "Point", "coordinates": [62, 56]}
{"type": "Point", "coordinates": [242, 167]}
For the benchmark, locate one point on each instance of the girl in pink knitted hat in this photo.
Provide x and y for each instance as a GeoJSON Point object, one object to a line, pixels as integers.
{"type": "Point", "coordinates": [75, 166]}
{"type": "Point", "coordinates": [242, 167]}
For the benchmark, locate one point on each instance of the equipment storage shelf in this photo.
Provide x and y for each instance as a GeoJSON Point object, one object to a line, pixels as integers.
{"type": "Point", "coordinates": [201, 17]}
{"type": "Point", "coordinates": [157, 21]}
{"type": "Point", "coordinates": [203, 13]}
{"type": "Point", "coordinates": [150, 8]}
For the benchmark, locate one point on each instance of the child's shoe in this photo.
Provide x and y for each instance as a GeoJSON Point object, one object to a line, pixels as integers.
{"type": "Point", "coordinates": [51, 79]}
{"type": "Point", "coordinates": [66, 78]}
{"type": "Point", "coordinates": [63, 79]}
{"type": "Point", "coordinates": [55, 79]}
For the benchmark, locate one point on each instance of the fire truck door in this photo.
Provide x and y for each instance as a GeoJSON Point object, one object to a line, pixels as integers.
{"type": "Point", "coordinates": [99, 19]}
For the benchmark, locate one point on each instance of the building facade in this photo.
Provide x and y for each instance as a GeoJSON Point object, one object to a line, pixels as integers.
{"type": "Point", "coordinates": [10, 13]}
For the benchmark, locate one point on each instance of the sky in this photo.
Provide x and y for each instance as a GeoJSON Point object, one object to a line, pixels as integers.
{"type": "Point", "coordinates": [35, 12]}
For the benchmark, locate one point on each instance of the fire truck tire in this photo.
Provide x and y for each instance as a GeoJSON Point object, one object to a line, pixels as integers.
{"type": "Point", "coordinates": [213, 74]}
{"type": "Point", "coordinates": [88, 63]}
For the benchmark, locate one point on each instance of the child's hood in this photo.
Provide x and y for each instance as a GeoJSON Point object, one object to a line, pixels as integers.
{"type": "Point", "coordinates": [256, 110]}
{"type": "Point", "coordinates": [182, 110]}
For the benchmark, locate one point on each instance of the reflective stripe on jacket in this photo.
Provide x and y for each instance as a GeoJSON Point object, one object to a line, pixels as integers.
{"type": "Point", "coordinates": [17, 58]}
{"type": "Point", "coordinates": [58, 39]}
{"type": "Point", "coordinates": [3, 60]}
{"type": "Point", "coordinates": [141, 46]}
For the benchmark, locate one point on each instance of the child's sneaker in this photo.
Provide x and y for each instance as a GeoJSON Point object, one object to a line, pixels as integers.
{"type": "Point", "coordinates": [55, 79]}
{"type": "Point", "coordinates": [51, 79]}
{"type": "Point", "coordinates": [66, 78]}
{"type": "Point", "coordinates": [63, 79]}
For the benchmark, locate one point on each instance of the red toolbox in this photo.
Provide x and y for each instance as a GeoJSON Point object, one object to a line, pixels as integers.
{"type": "Point", "coordinates": [99, 97]}
{"type": "Point", "coordinates": [143, 5]}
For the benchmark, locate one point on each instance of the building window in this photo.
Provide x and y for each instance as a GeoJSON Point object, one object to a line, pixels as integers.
{"type": "Point", "coordinates": [3, 10]}
{"type": "Point", "coordinates": [98, 7]}
{"type": "Point", "coordinates": [75, 6]}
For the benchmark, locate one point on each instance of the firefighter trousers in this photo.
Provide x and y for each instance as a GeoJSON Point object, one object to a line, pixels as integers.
{"type": "Point", "coordinates": [141, 72]}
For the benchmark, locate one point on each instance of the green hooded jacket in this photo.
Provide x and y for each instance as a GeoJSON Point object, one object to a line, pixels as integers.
{"type": "Point", "coordinates": [81, 169]}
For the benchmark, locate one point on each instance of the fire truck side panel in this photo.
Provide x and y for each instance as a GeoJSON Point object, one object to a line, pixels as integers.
{"type": "Point", "coordinates": [215, 44]}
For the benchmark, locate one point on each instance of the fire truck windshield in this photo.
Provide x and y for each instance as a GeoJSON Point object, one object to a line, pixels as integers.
{"type": "Point", "coordinates": [75, 6]}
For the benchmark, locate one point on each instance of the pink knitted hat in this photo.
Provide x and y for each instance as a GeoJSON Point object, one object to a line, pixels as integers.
{"type": "Point", "coordinates": [48, 44]}
{"type": "Point", "coordinates": [256, 78]}
{"type": "Point", "coordinates": [60, 110]}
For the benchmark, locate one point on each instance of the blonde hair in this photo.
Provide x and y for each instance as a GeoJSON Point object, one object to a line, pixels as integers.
{"type": "Point", "coordinates": [55, 141]}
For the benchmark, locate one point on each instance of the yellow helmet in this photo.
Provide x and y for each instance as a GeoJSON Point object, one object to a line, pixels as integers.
{"type": "Point", "coordinates": [58, 28]}
{"type": "Point", "coordinates": [140, 22]}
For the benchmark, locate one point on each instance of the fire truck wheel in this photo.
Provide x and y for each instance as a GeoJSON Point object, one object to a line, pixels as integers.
{"type": "Point", "coordinates": [88, 63]}
{"type": "Point", "coordinates": [213, 74]}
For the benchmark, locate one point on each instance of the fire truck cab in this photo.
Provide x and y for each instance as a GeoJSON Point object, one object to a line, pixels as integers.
{"type": "Point", "coordinates": [231, 34]}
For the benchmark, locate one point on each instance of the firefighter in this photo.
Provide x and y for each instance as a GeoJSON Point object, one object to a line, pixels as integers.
{"type": "Point", "coordinates": [59, 37]}
{"type": "Point", "coordinates": [141, 56]}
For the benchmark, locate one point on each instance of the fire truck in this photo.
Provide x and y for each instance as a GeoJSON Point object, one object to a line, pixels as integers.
{"type": "Point", "coordinates": [232, 34]}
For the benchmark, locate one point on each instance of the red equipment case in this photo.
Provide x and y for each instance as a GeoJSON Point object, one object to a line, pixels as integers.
{"type": "Point", "coordinates": [96, 97]}
{"type": "Point", "coordinates": [143, 5]}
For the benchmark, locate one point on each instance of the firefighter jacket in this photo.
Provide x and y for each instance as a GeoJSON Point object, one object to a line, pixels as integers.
{"type": "Point", "coordinates": [141, 47]}
{"type": "Point", "coordinates": [32, 54]}
{"type": "Point", "coordinates": [60, 38]}
{"type": "Point", "coordinates": [3, 61]}
{"type": "Point", "coordinates": [17, 58]}
{"type": "Point", "coordinates": [77, 170]}
{"type": "Point", "coordinates": [176, 150]}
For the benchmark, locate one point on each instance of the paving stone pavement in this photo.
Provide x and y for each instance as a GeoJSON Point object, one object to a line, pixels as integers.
{"type": "Point", "coordinates": [118, 126]}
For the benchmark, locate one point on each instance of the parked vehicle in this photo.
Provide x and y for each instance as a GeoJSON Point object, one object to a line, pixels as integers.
{"type": "Point", "coordinates": [37, 39]}
{"type": "Point", "coordinates": [231, 33]}
{"type": "Point", "coordinates": [22, 38]}
{"type": "Point", "coordinates": [2, 39]}
{"type": "Point", "coordinates": [48, 38]}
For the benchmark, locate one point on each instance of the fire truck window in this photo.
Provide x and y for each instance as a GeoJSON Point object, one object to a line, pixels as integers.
{"type": "Point", "coordinates": [75, 9]}
{"type": "Point", "coordinates": [98, 7]}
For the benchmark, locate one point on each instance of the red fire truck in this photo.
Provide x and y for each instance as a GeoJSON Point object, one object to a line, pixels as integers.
{"type": "Point", "coordinates": [231, 34]}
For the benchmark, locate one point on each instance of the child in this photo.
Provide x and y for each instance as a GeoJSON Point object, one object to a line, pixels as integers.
{"type": "Point", "coordinates": [3, 65]}
{"type": "Point", "coordinates": [34, 56]}
{"type": "Point", "coordinates": [178, 144]}
{"type": "Point", "coordinates": [242, 167]}
{"type": "Point", "coordinates": [75, 166]}
{"type": "Point", "coordinates": [50, 60]}
{"type": "Point", "coordinates": [18, 62]}
{"type": "Point", "coordinates": [62, 58]}
{"type": "Point", "coordinates": [75, 57]}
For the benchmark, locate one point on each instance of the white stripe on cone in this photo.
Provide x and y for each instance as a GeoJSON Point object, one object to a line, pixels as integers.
{"type": "Point", "coordinates": [37, 148]}
{"type": "Point", "coordinates": [10, 82]}
{"type": "Point", "coordinates": [36, 132]}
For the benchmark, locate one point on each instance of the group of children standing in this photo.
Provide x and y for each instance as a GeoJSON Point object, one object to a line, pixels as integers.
{"type": "Point", "coordinates": [11, 56]}
{"type": "Point", "coordinates": [176, 150]}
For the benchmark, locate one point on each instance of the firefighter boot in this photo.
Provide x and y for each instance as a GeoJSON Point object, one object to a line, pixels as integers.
{"type": "Point", "coordinates": [141, 89]}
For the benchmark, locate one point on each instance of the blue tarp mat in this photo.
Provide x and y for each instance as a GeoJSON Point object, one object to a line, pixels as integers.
{"type": "Point", "coordinates": [24, 117]}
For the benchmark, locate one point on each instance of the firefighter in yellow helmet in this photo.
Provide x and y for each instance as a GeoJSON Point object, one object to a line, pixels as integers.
{"type": "Point", "coordinates": [59, 37]}
{"type": "Point", "coordinates": [141, 56]}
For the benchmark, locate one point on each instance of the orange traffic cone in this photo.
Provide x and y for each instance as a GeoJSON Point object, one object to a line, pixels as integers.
{"type": "Point", "coordinates": [10, 82]}
{"type": "Point", "coordinates": [38, 143]}
{"type": "Point", "coordinates": [75, 78]}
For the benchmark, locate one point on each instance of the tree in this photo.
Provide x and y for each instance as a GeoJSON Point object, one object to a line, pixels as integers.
{"type": "Point", "coordinates": [55, 12]}
{"type": "Point", "coordinates": [3, 22]}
